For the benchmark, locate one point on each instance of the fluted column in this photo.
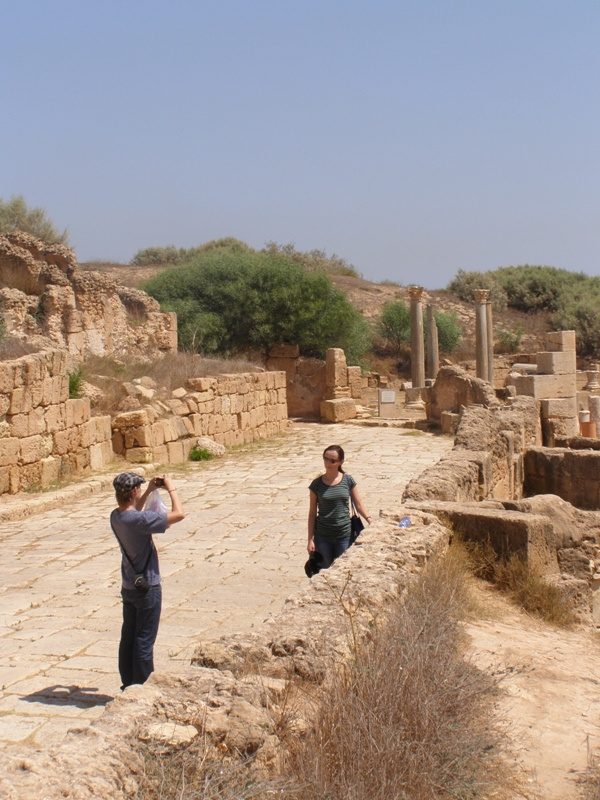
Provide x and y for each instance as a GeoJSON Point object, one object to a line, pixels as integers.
{"type": "Point", "coordinates": [481, 339]}
{"type": "Point", "coordinates": [490, 342]}
{"type": "Point", "coordinates": [417, 349]}
{"type": "Point", "coordinates": [433, 353]}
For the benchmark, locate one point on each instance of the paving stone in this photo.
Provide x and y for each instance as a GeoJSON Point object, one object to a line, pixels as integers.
{"type": "Point", "coordinates": [229, 565]}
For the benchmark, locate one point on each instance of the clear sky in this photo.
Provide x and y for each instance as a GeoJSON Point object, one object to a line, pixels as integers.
{"type": "Point", "coordinates": [411, 137]}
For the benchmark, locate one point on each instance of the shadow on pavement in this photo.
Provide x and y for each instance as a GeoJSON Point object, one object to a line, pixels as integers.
{"type": "Point", "coordinates": [79, 696]}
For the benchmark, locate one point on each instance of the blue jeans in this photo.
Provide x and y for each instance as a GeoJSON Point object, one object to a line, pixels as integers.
{"type": "Point", "coordinates": [331, 549]}
{"type": "Point", "coordinates": [141, 615]}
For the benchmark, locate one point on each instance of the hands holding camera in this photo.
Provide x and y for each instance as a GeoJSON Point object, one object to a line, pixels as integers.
{"type": "Point", "coordinates": [160, 481]}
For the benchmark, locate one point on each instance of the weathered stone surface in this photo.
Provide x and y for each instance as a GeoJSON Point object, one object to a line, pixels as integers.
{"type": "Point", "coordinates": [83, 313]}
{"type": "Point", "coordinates": [454, 388]}
{"type": "Point", "coordinates": [338, 410]}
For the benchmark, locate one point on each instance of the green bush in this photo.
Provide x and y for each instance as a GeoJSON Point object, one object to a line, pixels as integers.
{"type": "Point", "coordinates": [510, 341]}
{"type": "Point", "coordinates": [465, 284]}
{"type": "Point", "coordinates": [15, 215]}
{"type": "Point", "coordinates": [449, 330]}
{"type": "Point", "coordinates": [314, 260]}
{"type": "Point", "coordinates": [200, 454]}
{"type": "Point", "coordinates": [230, 300]}
{"type": "Point", "coordinates": [532, 289]}
{"type": "Point", "coordinates": [76, 381]}
{"type": "Point", "coordinates": [171, 256]}
{"type": "Point", "coordinates": [394, 326]}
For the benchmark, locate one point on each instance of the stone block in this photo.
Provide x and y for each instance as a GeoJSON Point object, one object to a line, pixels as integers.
{"type": "Point", "coordinates": [338, 410]}
{"type": "Point", "coordinates": [9, 451]}
{"type": "Point", "coordinates": [103, 429]}
{"type": "Point", "coordinates": [139, 455]}
{"type": "Point", "coordinates": [557, 362]}
{"type": "Point", "coordinates": [179, 393]}
{"type": "Point", "coordinates": [78, 411]}
{"type": "Point", "coordinates": [561, 341]}
{"type": "Point", "coordinates": [336, 371]}
{"type": "Point", "coordinates": [4, 404]}
{"type": "Point", "coordinates": [4, 480]}
{"type": "Point", "coordinates": [36, 420]}
{"type": "Point", "coordinates": [18, 425]}
{"type": "Point", "coordinates": [559, 407]}
{"type": "Point", "coordinates": [176, 452]}
{"type": "Point", "coordinates": [7, 376]}
{"type": "Point", "coordinates": [50, 471]}
{"type": "Point", "coordinates": [130, 419]}
{"type": "Point", "coordinates": [117, 442]}
{"type": "Point", "coordinates": [20, 401]}
{"type": "Point", "coordinates": [30, 476]}
{"type": "Point", "coordinates": [55, 418]}
{"type": "Point", "coordinates": [545, 386]}
{"type": "Point", "coordinates": [202, 384]}
{"type": "Point", "coordinates": [30, 449]}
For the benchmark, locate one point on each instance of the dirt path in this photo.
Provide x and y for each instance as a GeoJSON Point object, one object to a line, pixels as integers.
{"type": "Point", "coordinates": [550, 692]}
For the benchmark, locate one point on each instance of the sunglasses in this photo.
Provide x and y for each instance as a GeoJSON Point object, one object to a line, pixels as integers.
{"type": "Point", "coordinates": [330, 460]}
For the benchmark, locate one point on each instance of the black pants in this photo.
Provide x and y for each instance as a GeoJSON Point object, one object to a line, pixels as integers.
{"type": "Point", "coordinates": [141, 616]}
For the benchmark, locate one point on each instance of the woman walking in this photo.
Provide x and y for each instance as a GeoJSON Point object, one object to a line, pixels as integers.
{"type": "Point", "coordinates": [329, 515]}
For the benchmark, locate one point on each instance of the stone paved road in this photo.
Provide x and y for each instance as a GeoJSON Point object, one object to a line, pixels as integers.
{"type": "Point", "coordinates": [230, 564]}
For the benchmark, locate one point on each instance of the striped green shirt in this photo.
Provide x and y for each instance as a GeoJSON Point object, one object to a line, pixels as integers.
{"type": "Point", "coordinates": [333, 514]}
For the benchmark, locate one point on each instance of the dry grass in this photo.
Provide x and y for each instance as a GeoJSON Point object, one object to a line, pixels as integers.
{"type": "Point", "coordinates": [521, 582]}
{"type": "Point", "coordinates": [409, 717]}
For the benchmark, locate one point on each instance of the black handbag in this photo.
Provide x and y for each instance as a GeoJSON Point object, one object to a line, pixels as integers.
{"type": "Point", "coordinates": [356, 523]}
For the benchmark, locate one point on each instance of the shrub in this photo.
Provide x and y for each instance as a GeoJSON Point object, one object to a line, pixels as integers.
{"type": "Point", "coordinates": [231, 301]}
{"type": "Point", "coordinates": [449, 330]}
{"type": "Point", "coordinates": [200, 454]}
{"type": "Point", "coordinates": [171, 256]}
{"type": "Point", "coordinates": [314, 260]}
{"type": "Point", "coordinates": [394, 326]}
{"type": "Point", "coordinates": [465, 284]}
{"type": "Point", "coordinates": [15, 215]}
{"type": "Point", "coordinates": [409, 717]}
{"type": "Point", "coordinates": [76, 381]}
{"type": "Point", "coordinates": [510, 341]}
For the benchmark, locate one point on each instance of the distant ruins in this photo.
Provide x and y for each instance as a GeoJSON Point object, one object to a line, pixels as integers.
{"type": "Point", "coordinates": [45, 297]}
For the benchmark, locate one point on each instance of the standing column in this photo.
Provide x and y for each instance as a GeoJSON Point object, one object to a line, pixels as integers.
{"type": "Point", "coordinates": [481, 339]}
{"type": "Point", "coordinates": [417, 350]}
{"type": "Point", "coordinates": [490, 342]}
{"type": "Point", "coordinates": [433, 353]}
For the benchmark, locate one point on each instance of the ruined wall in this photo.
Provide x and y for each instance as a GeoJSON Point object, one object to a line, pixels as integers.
{"type": "Point", "coordinates": [488, 455]}
{"type": "Point", "coordinates": [311, 381]}
{"type": "Point", "coordinates": [573, 475]}
{"type": "Point", "coordinates": [45, 436]}
{"type": "Point", "coordinates": [43, 293]}
{"type": "Point", "coordinates": [229, 409]}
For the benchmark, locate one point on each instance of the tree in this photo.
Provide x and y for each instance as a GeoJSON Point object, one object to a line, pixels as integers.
{"type": "Point", "coordinates": [394, 327]}
{"type": "Point", "coordinates": [15, 215]}
{"type": "Point", "coordinates": [231, 299]}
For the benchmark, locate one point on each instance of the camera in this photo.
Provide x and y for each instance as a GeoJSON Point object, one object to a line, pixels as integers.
{"type": "Point", "coordinates": [159, 481]}
{"type": "Point", "coordinates": [141, 583]}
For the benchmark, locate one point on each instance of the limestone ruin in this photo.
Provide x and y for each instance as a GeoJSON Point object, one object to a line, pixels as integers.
{"type": "Point", "coordinates": [44, 296]}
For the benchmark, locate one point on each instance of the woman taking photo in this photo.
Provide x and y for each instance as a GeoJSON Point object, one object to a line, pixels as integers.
{"type": "Point", "coordinates": [329, 515]}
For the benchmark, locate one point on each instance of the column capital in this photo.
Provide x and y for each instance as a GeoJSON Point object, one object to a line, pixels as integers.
{"type": "Point", "coordinates": [481, 295]}
{"type": "Point", "coordinates": [415, 292]}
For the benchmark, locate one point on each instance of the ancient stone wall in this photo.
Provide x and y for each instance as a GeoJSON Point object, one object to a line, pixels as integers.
{"type": "Point", "coordinates": [45, 436]}
{"type": "Point", "coordinates": [327, 390]}
{"type": "Point", "coordinates": [229, 409]}
{"type": "Point", "coordinates": [573, 475]}
{"type": "Point", "coordinates": [487, 459]}
{"type": "Point", "coordinates": [43, 293]}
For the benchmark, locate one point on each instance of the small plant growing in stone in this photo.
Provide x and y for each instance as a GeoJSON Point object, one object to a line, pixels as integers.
{"type": "Point", "coordinates": [200, 454]}
{"type": "Point", "coordinates": [510, 341]}
{"type": "Point", "coordinates": [75, 383]}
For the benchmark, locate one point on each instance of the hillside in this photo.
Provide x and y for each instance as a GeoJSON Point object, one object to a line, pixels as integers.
{"type": "Point", "coordinates": [370, 298]}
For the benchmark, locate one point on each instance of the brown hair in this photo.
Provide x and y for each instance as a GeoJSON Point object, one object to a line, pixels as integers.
{"type": "Point", "coordinates": [340, 452]}
{"type": "Point", "coordinates": [124, 497]}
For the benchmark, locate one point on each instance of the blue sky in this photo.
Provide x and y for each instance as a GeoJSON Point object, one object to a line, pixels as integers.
{"type": "Point", "coordinates": [413, 138]}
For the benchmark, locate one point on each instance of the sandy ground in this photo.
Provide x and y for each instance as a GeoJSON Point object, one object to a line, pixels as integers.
{"type": "Point", "coordinates": [549, 681]}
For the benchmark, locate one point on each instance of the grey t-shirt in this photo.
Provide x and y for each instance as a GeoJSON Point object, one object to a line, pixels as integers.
{"type": "Point", "coordinates": [333, 515]}
{"type": "Point", "coordinates": [134, 531]}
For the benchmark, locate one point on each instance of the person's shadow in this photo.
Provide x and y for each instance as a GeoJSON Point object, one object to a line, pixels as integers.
{"type": "Point", "coordinates": [78, 696]}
